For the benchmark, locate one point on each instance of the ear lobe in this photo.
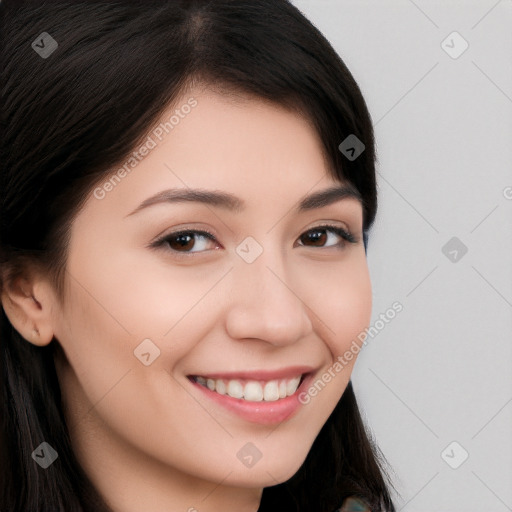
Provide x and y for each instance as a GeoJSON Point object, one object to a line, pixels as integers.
{"type": "Point", "coordinates": [28, 307]}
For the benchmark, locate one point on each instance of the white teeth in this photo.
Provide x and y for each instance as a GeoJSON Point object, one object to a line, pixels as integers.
{"type": "Point", "coordinates": [292, 385]}
{"type": "Point", "coordinates": [235, 389]}
{"type": "Point", "coordinates": [220, 387]}
{"type": "Point", "coordinates": [282, 389]}
{"type": "Point", "coordinates": [271, 391]}
{"type": "Point", "coordinates": [252, 391]}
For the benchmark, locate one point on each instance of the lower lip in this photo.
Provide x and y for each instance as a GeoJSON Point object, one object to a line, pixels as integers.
{"type": "Point", "coordinates": [265, 413]}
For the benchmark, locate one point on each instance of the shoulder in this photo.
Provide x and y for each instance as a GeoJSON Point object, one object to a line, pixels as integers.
{"type": "Point", "coordinates": [353, 504]}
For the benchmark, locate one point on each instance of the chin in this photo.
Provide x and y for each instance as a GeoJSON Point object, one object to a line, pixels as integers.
{"type": "Point", "coordinates": [265, 475]}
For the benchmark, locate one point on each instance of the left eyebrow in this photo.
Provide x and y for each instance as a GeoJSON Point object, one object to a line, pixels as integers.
{"type": "Point", "coordinates": [230, 202]}
{"type": "Point", "coordinates": [328, 196]}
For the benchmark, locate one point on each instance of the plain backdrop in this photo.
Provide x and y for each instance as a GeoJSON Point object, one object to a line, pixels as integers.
{"type": "Point", "coordinates": [435, 383]}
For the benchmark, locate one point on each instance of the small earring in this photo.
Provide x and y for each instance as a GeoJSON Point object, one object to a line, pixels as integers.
{"type": "Point", "coordinates": [35, 333]}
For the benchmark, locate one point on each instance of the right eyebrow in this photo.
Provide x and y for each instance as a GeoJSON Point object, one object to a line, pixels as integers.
{"type": "Point", "coordinates": [210, 197]}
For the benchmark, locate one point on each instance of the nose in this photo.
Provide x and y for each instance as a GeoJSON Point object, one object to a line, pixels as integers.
{"type": "Point", "coordinates": [264, 304]}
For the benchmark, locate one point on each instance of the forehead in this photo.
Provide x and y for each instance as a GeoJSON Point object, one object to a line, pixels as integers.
{"type": "Point", "coordinates": [256, 150]}
{"type": "Point", "coordinates": [245, 135]}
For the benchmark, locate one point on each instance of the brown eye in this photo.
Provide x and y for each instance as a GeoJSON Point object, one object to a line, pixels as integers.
{"type": "Point", "coordinates": [187, 241]}
{"type": "Point", "coordinates": [319, 237]}
{"type": "Point", "coordinates": [182, 241]}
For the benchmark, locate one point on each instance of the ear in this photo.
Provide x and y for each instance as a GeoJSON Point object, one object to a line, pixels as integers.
{"type": "Point", "coordinates": [27, 302]}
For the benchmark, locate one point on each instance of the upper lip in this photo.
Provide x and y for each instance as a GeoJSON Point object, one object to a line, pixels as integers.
{"type": "Point", "coordinates": [282, 373]}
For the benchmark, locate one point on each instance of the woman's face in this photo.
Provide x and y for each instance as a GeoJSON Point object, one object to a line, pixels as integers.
{"type": "Point", "coordinates": [270, 298]}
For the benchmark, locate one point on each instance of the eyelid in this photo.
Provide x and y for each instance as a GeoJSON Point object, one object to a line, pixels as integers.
{"type": "Point", "coordinates": [343, 232]}
{"type": "Point", "coordinates": [160, 239]}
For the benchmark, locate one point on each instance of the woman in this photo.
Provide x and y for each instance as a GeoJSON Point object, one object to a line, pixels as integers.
{"type": "Point", "coordinates": [187, 189]}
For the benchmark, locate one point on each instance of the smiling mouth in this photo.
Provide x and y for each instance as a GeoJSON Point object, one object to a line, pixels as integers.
{"type": "Point", "coordinates": [252, 390]}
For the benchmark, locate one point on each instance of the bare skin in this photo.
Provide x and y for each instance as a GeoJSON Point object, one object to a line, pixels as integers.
{"type": "Point", "coordinates": [147, 436]}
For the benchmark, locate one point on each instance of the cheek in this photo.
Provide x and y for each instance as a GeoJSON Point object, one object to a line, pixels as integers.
{"type": "Point", "coordinates": [110, 380]}
{"type": "Point", "coordinates": [145, 294]}
{"type": "Point", "coordinates": [341, 300]}
{"type": "Point", "coordinates": [97, 346]}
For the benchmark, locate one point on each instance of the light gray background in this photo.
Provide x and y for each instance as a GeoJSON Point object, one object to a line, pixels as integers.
{"type": "Point", "coordinates": [441, 370]}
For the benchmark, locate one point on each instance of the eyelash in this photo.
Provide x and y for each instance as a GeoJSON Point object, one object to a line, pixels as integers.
{"type": "Point", "coordinates": [162, 241]}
